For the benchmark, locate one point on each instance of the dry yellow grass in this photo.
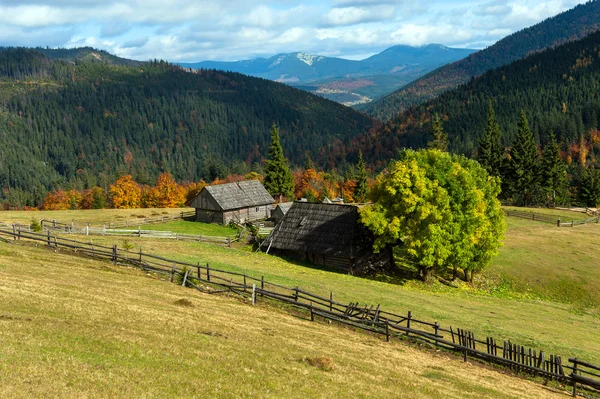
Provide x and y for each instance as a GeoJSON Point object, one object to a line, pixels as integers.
{"type": "Point", "coordinates": [92, 216]}
{"type": "Point", "coordinates": [76, 328]}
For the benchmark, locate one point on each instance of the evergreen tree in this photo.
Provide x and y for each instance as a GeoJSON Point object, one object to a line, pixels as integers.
{"type": "Point", "coordinates": [360, 192]}
{"type": "Point", "coordinates": [524, 165]}
{"type": "Point", "coordinates": [279, 181]}
{"type": "Point", "coordinates": [589, 191]}
{"type": "Point", "coordinates": [491, 152]}
{"type": "Point", "coordinates": [554, 174]}
{"type": "Point", "coordinates": [440, 138]}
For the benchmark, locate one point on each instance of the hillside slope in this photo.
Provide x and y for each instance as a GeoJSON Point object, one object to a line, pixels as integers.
{"type": "Point", "coordinates": [80, 122]}
{"type": "Point", "coordinates": [72, 327]}
{"type": "Point", "coordinates": [557, 88]}
{"type": "Point", "coordinates": [569, 25]}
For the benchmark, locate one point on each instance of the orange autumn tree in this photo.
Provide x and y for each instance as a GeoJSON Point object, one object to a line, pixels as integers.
{"type": "Point", "coordinates": [93, 198]}
{"type": "Point", "coordinates": [56, 201]}
{"type": "Point", "coordinates": [167, 193]}
{"type": "Point", "coordinates": [125, 193]}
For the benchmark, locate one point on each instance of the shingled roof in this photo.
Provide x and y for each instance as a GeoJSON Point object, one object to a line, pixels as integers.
{"type": "Point", "coordinates": [244, 194]}
{"type": "Point", "coordinates": [325, 229]}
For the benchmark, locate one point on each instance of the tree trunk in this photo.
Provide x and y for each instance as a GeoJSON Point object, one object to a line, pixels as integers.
{"type": "Point", "coordinates": [454, 273]}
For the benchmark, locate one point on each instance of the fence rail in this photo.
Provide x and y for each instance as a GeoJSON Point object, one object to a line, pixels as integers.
{"type": "Point", "coordinates": [66, 228]}
{"type": "Point", "coordinates": [539, 217]}
{"type": "Point", "coordinates": [130, 222]}
{"type": "Point", "coordinates": [371, 318]}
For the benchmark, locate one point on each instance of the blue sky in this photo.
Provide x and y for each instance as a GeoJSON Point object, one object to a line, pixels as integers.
{"type": "Point", "coordinates": [184, 30]}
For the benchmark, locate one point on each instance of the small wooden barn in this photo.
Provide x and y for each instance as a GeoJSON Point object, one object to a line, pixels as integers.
{"type": "Point", "coordinates": [240, 202]}
{"type": "Point", "coordinates": [330, 235]}
{"type": "Point", "coordinates": [280, 211]}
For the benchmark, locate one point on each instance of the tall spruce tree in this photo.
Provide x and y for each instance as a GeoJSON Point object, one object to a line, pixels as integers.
{"type": "Point", "coordinates": [278, 181]}
{"type": "Point", "coordinates": [491, 151]}
{"type": "Point", "coordinates": [360, 192]}
{"type": "Point", "coordinates": [589, 190]}
{"type": "Point", "coordinates": [524, 165]}
{"type": "Point", "coordinates": [440, 138]}
{"type": "Point", "coordinates": [554, 174]}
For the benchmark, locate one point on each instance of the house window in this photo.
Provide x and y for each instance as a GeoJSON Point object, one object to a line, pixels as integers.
{"type": "Point", "coordinates": [257, 209]}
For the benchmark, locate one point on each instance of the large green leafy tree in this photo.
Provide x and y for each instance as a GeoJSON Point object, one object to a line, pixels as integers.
{"type": "Point", "coordinates": [554, 174]}
{"type": "Point", "coordinates": [360, 192]}
{"type": "Point", "coordinates": [441, 211]}
{"type": "Point", "coordinates": [278, 181]}
{"type": "Point", "coordinates": [524, 165]}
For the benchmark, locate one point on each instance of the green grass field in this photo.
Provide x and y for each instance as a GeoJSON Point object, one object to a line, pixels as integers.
{"type": "Point", "coordinates": [72, 327]}
{"type": "Point", "coordinates": [541, 291]}
{"type": "Point", "coordinates": [191, 227]}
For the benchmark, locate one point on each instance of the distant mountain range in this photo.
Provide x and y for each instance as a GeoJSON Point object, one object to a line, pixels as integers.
{"type": "Point", "coordinates": [570, 25]}
{"type": "Point", "coordinates": [342, 80]}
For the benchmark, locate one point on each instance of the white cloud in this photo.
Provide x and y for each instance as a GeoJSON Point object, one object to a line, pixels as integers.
{"type": "Point", "coordinates": [184, 30]}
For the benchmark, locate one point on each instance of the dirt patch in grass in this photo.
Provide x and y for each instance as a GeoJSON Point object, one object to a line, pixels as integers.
{"type": "Point", "coordinates": [322, 363]}
{"type": "Point", "coordinates": [184, 302]}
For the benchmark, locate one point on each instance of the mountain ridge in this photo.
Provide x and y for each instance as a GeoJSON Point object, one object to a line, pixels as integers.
{"type": "Point", "coordinates": [403, 63]}
{"type": "Point", "coordinates": [569, 25]}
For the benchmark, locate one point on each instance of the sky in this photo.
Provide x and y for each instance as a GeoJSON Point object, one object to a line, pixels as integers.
{"type": "Point", "coordinates": [190, 31]}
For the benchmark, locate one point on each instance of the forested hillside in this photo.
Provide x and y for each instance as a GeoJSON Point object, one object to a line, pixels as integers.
{"type": "Point", "coordinates": [558, 90]}
{"type": "Point", "coordinates": [567, 26]}
{"type": "Point", "coordinates": [67, 121]}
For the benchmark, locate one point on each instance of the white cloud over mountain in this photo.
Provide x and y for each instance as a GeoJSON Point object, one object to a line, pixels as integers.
{"type": "Point", "coordinates": [183, 30]}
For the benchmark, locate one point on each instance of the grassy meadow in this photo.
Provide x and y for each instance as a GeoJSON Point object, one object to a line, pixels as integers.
{"type": "Point", "coordinates": [542, 291]}
{"type": "Point", "coordinates": [73, 327]}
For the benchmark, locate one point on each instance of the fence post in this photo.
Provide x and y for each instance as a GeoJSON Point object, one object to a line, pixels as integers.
{"type": "Point", "coordinates": [199, 273]}
{"type": "Point", "coordinates": [312, 315]}
{"type": "Point", "coordinates": [408, 321]}
{"type": "Point", "coordinates": [139, 231]}
{"type": "Point", "coordinates": [558, 223]}
{"type": "Point", "coordinates": [87, 230]}
{"type": "Point", "coordinates": [262, 284]}
{"type": "Point", "coordinates": [207, 272]}
{"type": "Point", "coordinates": [229, 241]}
{"type": "Point", "coordinates": [185, 276]}
{"type": "Point", "coordinates": [244, 280]}
{"type": "Point", "coordinates": [172, 272]}
{"type": "Point", "coordinates": [48, 237]}
{"type": "Point", "coordinates": [573, 374]}
{"type": "Point", "coordinates": [572, 223]}
{"type": "Point", "coordinates": [253, 294]}
{"type": "Point", "coordinates": [331, 301]}
{"type": "Point", "coordinates": [296, 294]}
{"type": "Point", "coordinates": [436, 327]}
{"type": "Point", "coordinates": [115, 254]}
{"type": "Point", "coordinates": [53, 223]}
{"type": "Point", "coordinates": [72, 226]}
{"type": "Point", "coordinates": [387, 330]}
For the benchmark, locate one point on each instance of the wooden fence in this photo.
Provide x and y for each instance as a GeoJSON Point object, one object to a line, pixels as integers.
{"type": "Point", "coordinates": [71, 228]}
{"type": "Point", "coordinates": [543, 218]}
{"type": "Point", "coordinates": [119, 224]}
{"type": "Point", "coordinates": [374, 319]}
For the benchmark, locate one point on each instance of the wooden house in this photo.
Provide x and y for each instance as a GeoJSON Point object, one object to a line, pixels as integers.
{"type": "Point", "coordinates": [280, 211]}
{"type": "Point", "coordinates": [330, 235]}
{"type": "Point", "coordinates": [240, 202]}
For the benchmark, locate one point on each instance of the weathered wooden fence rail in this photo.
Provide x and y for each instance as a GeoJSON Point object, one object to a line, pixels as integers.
{"type": "Point", "coordinates": [118, 224]}
{"type": "Point", "coordinates": [539, 217]}
{"type": "Point", "coordinates": [371, 318]}
{"type": "Point", "coordinates": [65, 228]}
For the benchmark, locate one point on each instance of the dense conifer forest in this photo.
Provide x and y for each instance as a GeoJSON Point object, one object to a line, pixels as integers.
{"type": "Point", "coordinates": [81, 118]}
{"type": "Point", "coordinates": [558, 90]}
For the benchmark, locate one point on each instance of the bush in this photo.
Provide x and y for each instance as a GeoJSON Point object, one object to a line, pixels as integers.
{"type": "Point", "coordinates": [35, 225]}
